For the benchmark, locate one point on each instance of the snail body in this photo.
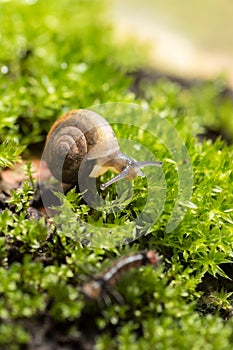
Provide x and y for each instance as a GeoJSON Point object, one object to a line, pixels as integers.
{"type": "Point", "coordinates": [83, 139]}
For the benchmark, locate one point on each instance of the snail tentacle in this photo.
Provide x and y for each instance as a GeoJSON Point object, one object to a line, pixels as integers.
{"type": "Point", "coordinates": [83, 142]}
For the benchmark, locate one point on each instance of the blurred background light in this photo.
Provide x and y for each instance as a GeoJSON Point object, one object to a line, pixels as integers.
{"type": "Point", "coordinates": [189, 38]}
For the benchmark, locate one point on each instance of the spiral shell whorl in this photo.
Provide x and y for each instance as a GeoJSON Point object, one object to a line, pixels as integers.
{"type": "Point", "coordinates": [65, 151]}
{"type": "Point", "coordinates": [74, 136]}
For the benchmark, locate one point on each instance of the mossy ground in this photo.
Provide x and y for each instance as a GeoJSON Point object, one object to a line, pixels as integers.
{"type": "Point", "coordinates": [60, 55]}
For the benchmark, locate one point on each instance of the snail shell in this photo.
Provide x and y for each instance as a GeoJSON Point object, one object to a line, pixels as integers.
{"type": "Point", "coordinates": [84, 137]}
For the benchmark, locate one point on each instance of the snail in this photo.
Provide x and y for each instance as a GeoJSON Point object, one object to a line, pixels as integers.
{"type": "Point", "coordinates": [83, 139]}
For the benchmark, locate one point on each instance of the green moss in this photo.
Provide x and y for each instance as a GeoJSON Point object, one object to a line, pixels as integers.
{"type": "Point", "coordinates": [60, 55]}
{"type": "Point", "coordinates": [10, 153]}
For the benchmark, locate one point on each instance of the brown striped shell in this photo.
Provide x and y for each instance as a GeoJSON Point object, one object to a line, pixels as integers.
{"type": "Point", "coordinates": [78, 134]}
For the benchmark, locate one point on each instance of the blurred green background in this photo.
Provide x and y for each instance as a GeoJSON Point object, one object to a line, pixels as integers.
{"type": "Point", "coordinates": [55, 56]}
{"type": "Point", "coordinates": [193, 38]}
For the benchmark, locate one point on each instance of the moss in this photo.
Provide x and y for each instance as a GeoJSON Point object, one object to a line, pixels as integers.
{"type": "Point", "coordinates": [60, 55]}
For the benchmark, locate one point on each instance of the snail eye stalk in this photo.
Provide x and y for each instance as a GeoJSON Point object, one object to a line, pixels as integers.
{"type": "Point", "coordinates": [130, 172]}
{"type": "Point", "coordinates": [117, 178]}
